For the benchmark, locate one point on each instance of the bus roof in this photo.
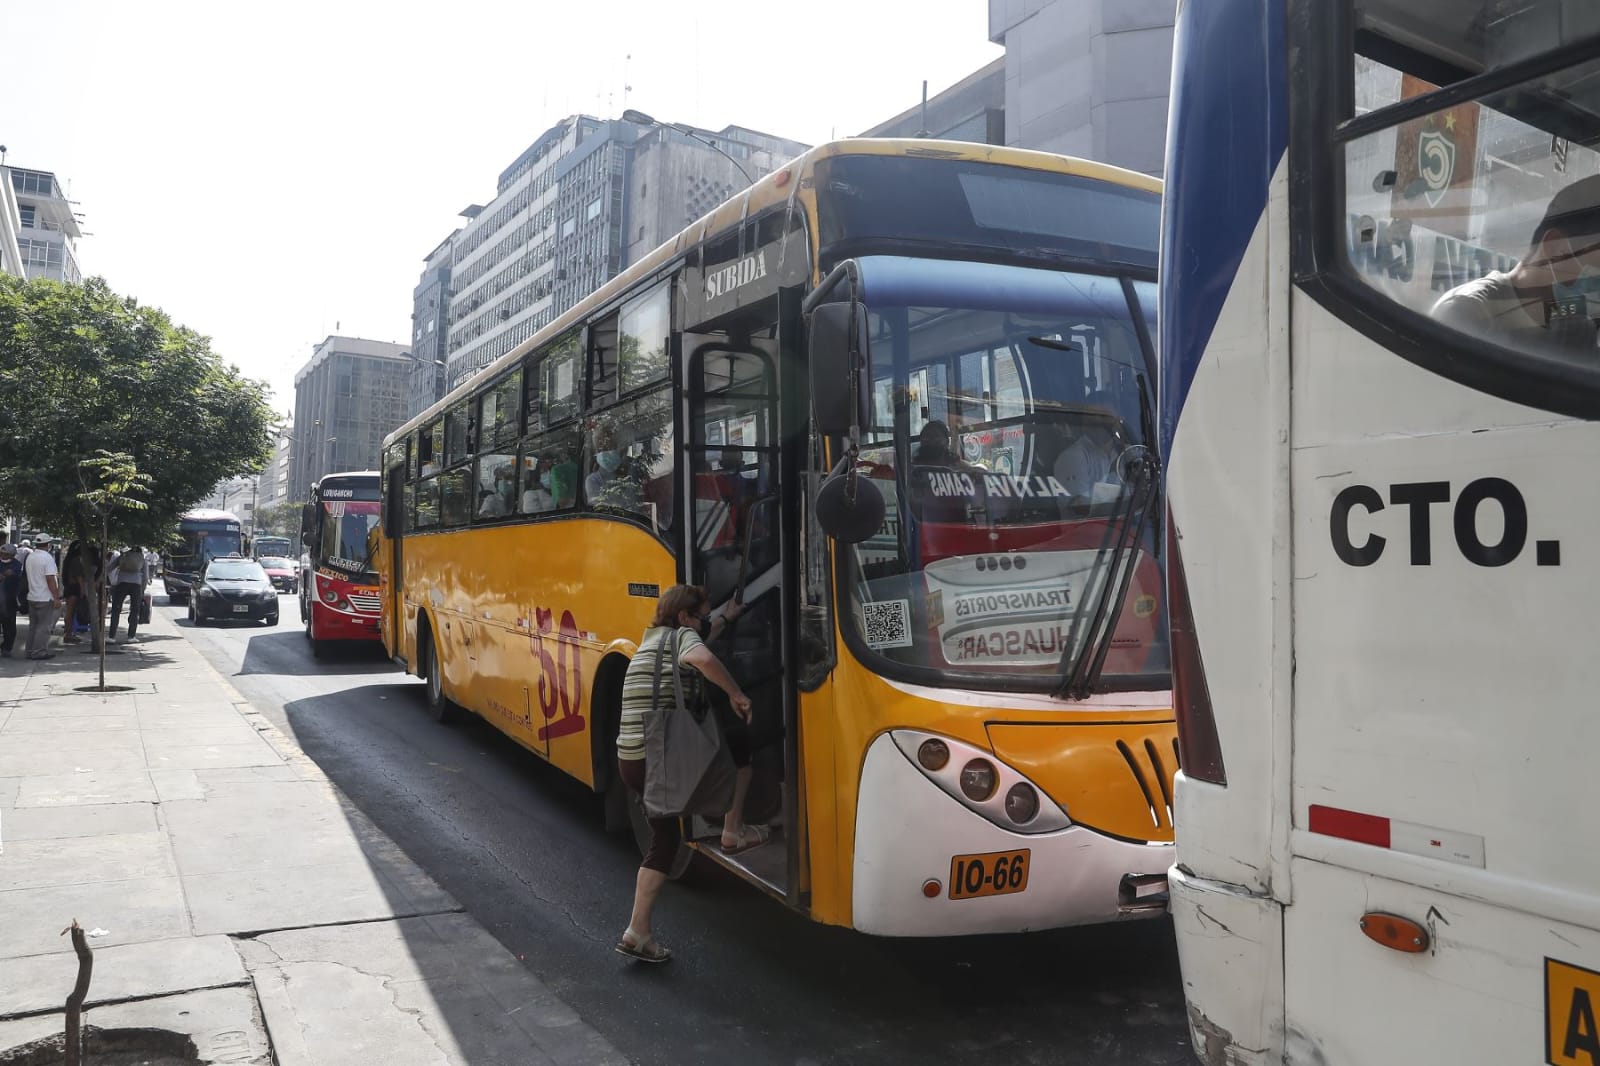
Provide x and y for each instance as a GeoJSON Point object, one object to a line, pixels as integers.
{"type": "Point", "coordinates": [208, 514]}
{"type": "Point", "coordinates": [771, 190]}
{"type": "Point", "coordinates": [347, 475]}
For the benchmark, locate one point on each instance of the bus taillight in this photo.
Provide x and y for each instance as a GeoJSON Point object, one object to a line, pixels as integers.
{"type": "Point", "coordinates": [1199, 750]}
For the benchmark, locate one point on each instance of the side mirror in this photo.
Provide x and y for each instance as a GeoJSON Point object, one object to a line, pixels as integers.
{"type": "Point", "coordinates": [835, 374]}
{"type": "Point", "coordinates": [308, 518]}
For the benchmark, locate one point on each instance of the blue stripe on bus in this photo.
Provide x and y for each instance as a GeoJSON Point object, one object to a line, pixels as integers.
{"type": "Point", "coordinates": [1227, 131]}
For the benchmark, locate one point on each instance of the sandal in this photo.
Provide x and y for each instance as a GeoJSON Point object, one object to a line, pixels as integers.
{"type": "Point", "coordinates": [751, 836]}
{"type": "Point", "coordinates": [644, 951]}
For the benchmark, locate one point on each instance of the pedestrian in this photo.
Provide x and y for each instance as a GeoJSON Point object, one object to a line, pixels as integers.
{"type": "Point", "coordinates": [680, 608]}
{"type": "Point", "coordinates": [73, 585]}
{"type": "Point", "coordinates": [128, 584]}
{"type": "Point", "coordinates": [44, 598]}
{"type": "Point", "coordinates": [12, 590]}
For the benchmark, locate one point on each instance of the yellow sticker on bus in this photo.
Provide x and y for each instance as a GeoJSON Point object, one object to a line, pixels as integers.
{"type": "Point", "coordinates": [1572, 1037]}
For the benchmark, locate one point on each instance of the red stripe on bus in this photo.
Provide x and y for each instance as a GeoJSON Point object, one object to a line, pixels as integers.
{"type": "Point", "coordinates": [1350, 825]}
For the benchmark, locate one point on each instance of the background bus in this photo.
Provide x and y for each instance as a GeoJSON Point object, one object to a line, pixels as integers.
{"type": "Point", "coordinates": [1381, 386]}
{"type": "Point", "coordinates": [263, 546]}
{"type": "Point", "coordinates": [204, 534]}
{"type": "Point", "coordinates": [961, 723]}
{"type": "Point", "coordinates": [339, 595]}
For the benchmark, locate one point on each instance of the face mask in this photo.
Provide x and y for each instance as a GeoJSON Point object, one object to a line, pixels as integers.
{"type": "Point", "coordinates": [544, 481]}
{"type": "Point", "coordinates": [505, 488]}
{"type": "Point", "coordinates": [609, 461]}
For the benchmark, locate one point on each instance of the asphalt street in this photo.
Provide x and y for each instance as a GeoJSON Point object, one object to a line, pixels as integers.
{"type": "Point", "coordinates": [524, 850]}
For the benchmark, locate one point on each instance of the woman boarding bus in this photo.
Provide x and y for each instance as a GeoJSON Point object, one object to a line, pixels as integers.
{"type": "Point", "coordinates": [1381, 384]}
{"type": "Point", "coordinates": [961, 717]}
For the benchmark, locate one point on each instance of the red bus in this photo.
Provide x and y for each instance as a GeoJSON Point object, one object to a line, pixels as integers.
{"type": "Point", "coordinates": [339, 597]}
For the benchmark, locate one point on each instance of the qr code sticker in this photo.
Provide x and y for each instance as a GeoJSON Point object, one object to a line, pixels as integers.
{"type": "Point", "coordinates": [888, 623]}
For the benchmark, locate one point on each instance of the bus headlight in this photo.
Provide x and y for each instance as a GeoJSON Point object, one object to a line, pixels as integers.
{"type": "Point", "coordinates": [978, 780]}
{"type": "Point", "coordinates": [933, 754]}
{"type": "Point", "coordinates": [1022, 802]}
{"type": "Point", "coordinates": [983, 784]}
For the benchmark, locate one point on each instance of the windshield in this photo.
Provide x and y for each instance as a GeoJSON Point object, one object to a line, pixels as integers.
{"type": "Point", "coordinates": [272, 562]}
{"type": "Point", "coordinates": [197, 547]}
{"type": "Point", "coordinates": [1005, 441]}
{"type": "Point", "coordinates": [227, 570]}
{"type": "Point", "coordinates": [345, 525]}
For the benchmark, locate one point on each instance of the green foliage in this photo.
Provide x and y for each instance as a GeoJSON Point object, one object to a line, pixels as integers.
{"type": "Point", "coordinates": [83, 369]}
{"type": "Point", "coordinates": [279, 519]}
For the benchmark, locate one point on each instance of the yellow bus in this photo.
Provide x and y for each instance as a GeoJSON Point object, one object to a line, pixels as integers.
{"type": "Point", "coordinates": [896, 399]}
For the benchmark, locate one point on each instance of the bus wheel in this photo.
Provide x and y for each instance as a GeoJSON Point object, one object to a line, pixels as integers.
{"type": "Point", "coordinates": [439, 705]}
{"type": "Point", "coordinates": [683, 863]}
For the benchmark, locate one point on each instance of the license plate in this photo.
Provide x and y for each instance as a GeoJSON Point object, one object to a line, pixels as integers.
{"type": "Point", "coordinates": [1570, 993]}
{"type": "Point", "coordinates": [241, 608]}
{"type": "Point", "coordinates": [995, 873]}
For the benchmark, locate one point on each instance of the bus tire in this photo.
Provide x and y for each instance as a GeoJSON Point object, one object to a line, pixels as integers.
{"type": "Point", "coordinates": [440, 706]}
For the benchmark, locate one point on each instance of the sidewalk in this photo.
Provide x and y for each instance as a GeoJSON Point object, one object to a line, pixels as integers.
{"type": "Point", "coordinates": [234, 896]}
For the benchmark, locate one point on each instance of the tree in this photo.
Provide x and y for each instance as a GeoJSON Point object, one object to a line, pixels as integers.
{"type": "Point", "coordinates": [110, 483]}
{"type": "Point", "coordinates": [81, 369]}
{"type": "Point", "coordinates": [279, 519]}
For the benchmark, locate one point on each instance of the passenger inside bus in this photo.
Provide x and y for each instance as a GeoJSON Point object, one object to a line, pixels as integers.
{"type": "Point", "coordinates": [497, 503]}
{"type": "Point", "coordinates": [1543, 303]}
{"type": "Point", "coordinates": [1087, 467]}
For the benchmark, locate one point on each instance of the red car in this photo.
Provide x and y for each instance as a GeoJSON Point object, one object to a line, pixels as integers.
{"type": "Point", "coordinates": [283, 573]}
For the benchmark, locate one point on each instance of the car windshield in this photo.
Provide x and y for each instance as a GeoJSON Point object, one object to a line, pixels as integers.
{"type": "Point", "coordinates": [234, 570]}
{"type": "Point", "coordinates": [274, 563]}
{"type": "Point", "coordinates": [1007, 436]}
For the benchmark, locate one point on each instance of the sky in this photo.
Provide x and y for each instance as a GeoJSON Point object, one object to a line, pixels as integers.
{"type": "Point", "coordinates": [269, 174]}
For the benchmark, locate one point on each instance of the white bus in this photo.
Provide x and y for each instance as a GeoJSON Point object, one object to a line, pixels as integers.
{"type": "Point", "coordinates": [1380, 392]}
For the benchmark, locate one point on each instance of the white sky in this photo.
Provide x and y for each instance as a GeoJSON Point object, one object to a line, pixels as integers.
{"type": "Point", "coordinates": [264, 172]}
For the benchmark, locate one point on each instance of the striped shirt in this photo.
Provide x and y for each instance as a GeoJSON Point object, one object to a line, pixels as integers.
{"type": "Point", "coordinates": [639, 682]}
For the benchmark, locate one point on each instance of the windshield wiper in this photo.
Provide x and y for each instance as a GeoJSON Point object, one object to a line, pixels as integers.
{"type": "Point", "coordinates": [1084, 672]}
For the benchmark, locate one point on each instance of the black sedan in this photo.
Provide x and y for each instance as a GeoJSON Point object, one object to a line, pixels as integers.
{"type": "Point", "coordinates": [234, 588]}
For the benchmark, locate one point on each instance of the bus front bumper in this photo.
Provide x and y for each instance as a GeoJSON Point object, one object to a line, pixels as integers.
{"type": "Point", "coordinates": [909, 833]}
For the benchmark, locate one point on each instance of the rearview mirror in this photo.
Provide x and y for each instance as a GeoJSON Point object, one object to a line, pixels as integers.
{"type": "Point", "coordinates": [837, 377]}
{"type": "Point", "coordinates": [308, 517]}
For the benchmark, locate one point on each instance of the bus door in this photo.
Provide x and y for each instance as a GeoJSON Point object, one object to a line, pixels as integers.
{"type": "Point", "coordinates": [393, 568]}
{"type": "Point", "coordinates": [732, 547]}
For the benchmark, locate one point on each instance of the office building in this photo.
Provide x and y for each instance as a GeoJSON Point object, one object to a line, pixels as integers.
{"type": "Point", "coordinates": [973, 109]}
{"type": "Point", "coordinates": [236, 494]}
{"type": "Point", "coordinates": [430, 329]}
{"type": "Point", "coordinates": [583, 200]}
{"type": "Point", "coordinates": [676, 176]}
{"type": "Point", "coordinates": [38, 238]}
{"type": "Point", "coordinates": [272, 484]}
{"type": "Point", "coordinates": [347, 398]}
{"type": "Point", "coordinates": [1087, 78]}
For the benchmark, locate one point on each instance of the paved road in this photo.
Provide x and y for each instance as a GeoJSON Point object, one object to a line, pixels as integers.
{"type": "Point", "coordinates": [524, 851]}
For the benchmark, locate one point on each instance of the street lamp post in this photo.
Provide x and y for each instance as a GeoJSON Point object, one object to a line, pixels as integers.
{"type": "Point", "coordinates": [639, 118]}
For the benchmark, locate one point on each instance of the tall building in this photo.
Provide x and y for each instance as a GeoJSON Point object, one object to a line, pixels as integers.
{"type": "Point", "coordinates": [675, 178]}
{"type": "Point", "coordinates": [236, 494]}
{"type": "Point", "coordinates": [430, 329]}
{"type": "Point", "coordinates": [1088, 78]}
{"type": "Point", "coordinates": [45, 228]}
{"type": "Point", "coordinates": [570, 211]}
{"type": "Point", "coordinates": [973, 109]}
{"type": "Point", "coordinates": [272, 484]}
{"type": "Point", "coordinates": [347, 398]}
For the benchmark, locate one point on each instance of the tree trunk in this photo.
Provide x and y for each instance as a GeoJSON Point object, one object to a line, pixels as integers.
{"type": "Point", "coordinates": [98, 628]}
{"type": "Point", "coordinates": [80, 991]}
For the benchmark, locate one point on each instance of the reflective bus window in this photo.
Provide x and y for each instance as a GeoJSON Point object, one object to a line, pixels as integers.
{"type": "Point", "coordinates": [427, 502]}
{"type": "Point", "coordinates": [458, 435]}
{"type": "Point", "coordinates": [642, 347]}
{"type": "Point", "coordinates": [549, 466]}
{"type": "Point", "coordinates": [499, 417]}
{"type": "Point", "coordinates": [1477, 35]}
{"type": "Point", "coordinates": [455, 503]}
{"type": "Point", "coordinates": [496, 494]}
{"type": "Point", "coordinates": [1484, 216]}
{"type": "Point", "coordinates": [603, 355]}
{"type": "Point", "coordinates": [430, 449]}
{"type": "Point", "coordinates": [560, 371]}
{"type": "Point", "coordinates": [628, 459]}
